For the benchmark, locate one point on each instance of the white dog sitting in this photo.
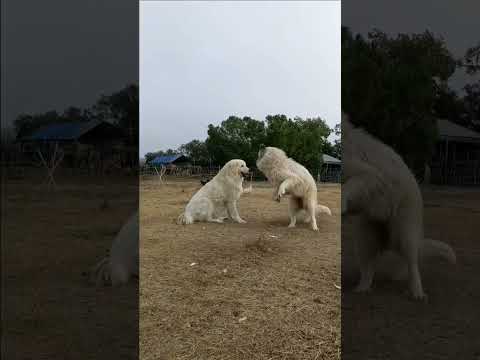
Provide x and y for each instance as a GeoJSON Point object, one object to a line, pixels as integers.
{"type": "Point", "coordinates": [290, 178]}
{"type": "Point", "coordinates": [123, 261]}
{"type": "Point", "coordinates": [380, 187]}
{"type": "Point", "coordinates": [218, 197]}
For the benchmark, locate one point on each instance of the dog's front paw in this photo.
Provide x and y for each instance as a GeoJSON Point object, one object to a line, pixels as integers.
{"type": "Point", "coordinates": [279, 195]}
{"type": "Point", "coordinates": [241, 221]}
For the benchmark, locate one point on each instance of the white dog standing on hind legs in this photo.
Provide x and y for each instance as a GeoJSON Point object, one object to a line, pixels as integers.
{"type": "Point", "coordinates": [218, 197]}
{"type": "Point", "coordinates": [290, 178]}
{"type": "Point", "coordinates": [378, 185]}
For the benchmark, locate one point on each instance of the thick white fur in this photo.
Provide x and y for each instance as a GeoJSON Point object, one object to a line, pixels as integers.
{"type": "Point", "coordinates": [290, 178]}
{"type": "Point", "coordinates": [218, 197]}
{"type": "Point", "coordinates": [123, 260]}
{"type": "Point", "coordinates": [357, 230]}
{"type": "Point", "coordinates": [380, 187]}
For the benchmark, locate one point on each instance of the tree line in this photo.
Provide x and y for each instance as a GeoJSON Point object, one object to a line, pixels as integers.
{"type": "Point", "coordinates": [241, 138]}
{"type": "Point", "coordinates": [397, 86]}
{"type": "Point", "coordinates": [120, 107]}
{"type": "Point", "coordinates": [393, 86]}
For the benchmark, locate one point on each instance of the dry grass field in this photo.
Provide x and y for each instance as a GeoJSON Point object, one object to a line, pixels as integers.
{"type": "Point", "coordinates": [222, 291]}
{"type": "Point", "coordinates": [49, 311]}
{"type": "Point", "coordinates": [388, 324]}
{"type": "Point", "coordinates": [237, 291]}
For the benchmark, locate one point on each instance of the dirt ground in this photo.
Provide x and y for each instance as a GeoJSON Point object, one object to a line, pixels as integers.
{"type": "Point", "coordinates": [257, 290]}
{"type": "Point", "coordinates": [237, 291]}
{"type": "Point", "coordinates": [49, 311]}
{"type": "Point", "coordinates": [388, 324]}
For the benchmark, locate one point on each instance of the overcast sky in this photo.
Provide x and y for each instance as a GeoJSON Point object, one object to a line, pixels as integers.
{"type": "Point", "coordinates": [456, 21]}
{"type": "Point", "coordinates": [61, 53]}
{"type": "Point", "coordinates": [201, 62]}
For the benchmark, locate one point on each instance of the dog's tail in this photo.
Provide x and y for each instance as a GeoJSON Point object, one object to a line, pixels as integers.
{"type": "Point", "coordinates": [435, 248]}
{"type": "Point", "coordinates": [323, 209]}
{"type": "Point", "coordinates": [184, 219]}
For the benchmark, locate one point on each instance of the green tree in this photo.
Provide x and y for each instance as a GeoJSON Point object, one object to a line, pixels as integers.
{"type": "Point", "coordinates": [472, 104]}
{"type": "Point", "coordinates": [197, 151]}
{"type": "Point", "coordinates": [235, 138]}
{"type": "Point", "coordinates": [75, 114]}
{"type": "Point", "coordinates": [472, 91]}
{"type": "Point", "coordinates": [122, 107]}
{"type": "Point", "coordinates": [337, 144]}
{"type": "Point", "coordinates": [303, 140]}
{"type": "Point", "coordinates": [462, 110]}
{"type": "Point", "coordinates": [471, 60]}
{"type": "Point", "coordinates": [389, 88]}
{"type": "Point", "coordinates": [448, 105]}
{"type": "Point", "coordinates": [281, 133]}
{"type": "Point", "coordinates": [149, 157]}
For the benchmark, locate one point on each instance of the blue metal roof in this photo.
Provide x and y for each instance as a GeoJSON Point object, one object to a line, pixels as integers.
{"type": "Point", "coordinates": [62, 131]}
{"type": "Point", "coordinates": [166, 159]}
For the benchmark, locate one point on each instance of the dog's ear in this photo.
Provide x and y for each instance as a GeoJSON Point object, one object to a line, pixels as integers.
{"type": "Point", "coordinates": [240, 163]}
{"type": "Point", "coordinates": [233, 168]}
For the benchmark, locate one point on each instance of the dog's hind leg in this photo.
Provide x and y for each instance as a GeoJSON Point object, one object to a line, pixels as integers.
{"type": "Point", "coordinates": [414, 276]}
{"type": "Point", "coordinates": [414, 273]}
{"type": "Point", "coordinates": [211, 218]}
{"type": "Point", "coordinates": [407, 233]}
{"type": "Point", "coordinates": [221, 214]}
{"type": "Point", "coordinates": [311, 210]}
{"type": "Point", "coordinates": [293, 209]}
{"type": "Point", "coordinates": [367, 251]}
{"type": "Point", "coordinates": [209, 214]}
